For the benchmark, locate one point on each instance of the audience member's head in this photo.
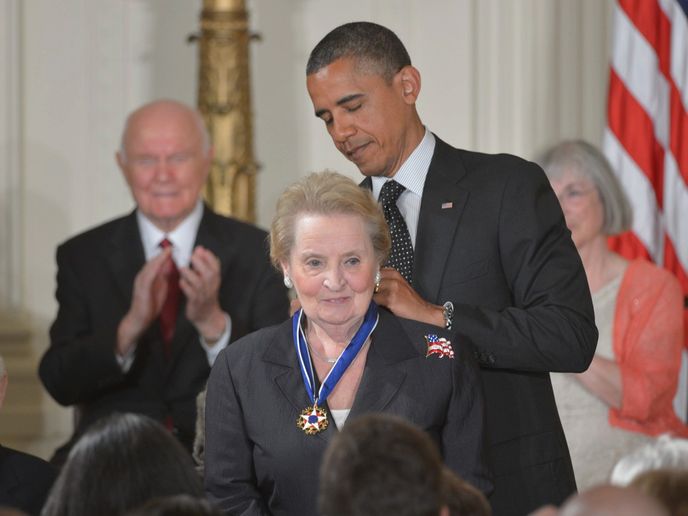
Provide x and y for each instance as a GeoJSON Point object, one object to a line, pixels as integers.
{"type": "Point", "coordinates": [8, 511]}
{"type": "Point", "coordinates": [165, 157]}
{"type": "Point", "coordinates": [122, 461]}
{"type": "Point", "coordinates": [462, 498]}
{"type": "Point", "coordinates": [607, 500]}
{"type": "Point", "coordinates": [669, 486]}
{"type": "Point", "coordinates": [579, 166]}
{"type": "Point", "coordinates": [665, 452]}
{"type": "Point", "coordinates": [381, 464]}
{"type": "Point", "coordinates": [178, 505]}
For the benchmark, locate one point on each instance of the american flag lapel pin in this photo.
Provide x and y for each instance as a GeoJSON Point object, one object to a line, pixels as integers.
{"type": "Point", "coordinates": [447, 205]}
{"type": "Point", "coordinates": [438, 346]}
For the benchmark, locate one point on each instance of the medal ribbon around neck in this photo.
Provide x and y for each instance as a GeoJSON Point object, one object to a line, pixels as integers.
{"type": "Point", "coordinates": [338, 369]}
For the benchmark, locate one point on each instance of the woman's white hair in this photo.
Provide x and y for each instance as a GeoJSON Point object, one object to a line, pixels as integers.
{"type": "Point", "coordinates": [665, 452]}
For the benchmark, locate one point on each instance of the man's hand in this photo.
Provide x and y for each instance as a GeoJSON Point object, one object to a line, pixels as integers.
{"type": "Point", "coordinates": [148, 296]}
{"type": "Point", "coordinates": [400, 298]}
{"type": "Point", "coordinates": [201, 284]}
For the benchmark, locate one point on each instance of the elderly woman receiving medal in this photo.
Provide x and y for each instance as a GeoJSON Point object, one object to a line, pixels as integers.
{"type": "Point", "coordinates": [276, 397]}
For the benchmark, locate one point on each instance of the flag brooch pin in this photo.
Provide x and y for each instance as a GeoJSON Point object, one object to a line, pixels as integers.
{"type": "Point", "coordinates": [438, 346]}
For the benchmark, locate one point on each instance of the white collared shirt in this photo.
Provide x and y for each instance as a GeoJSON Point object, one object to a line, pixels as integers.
{"type": "Point", "coordinates": [183, 238]}
{"type": "Point", "coordinates": [411, 175]}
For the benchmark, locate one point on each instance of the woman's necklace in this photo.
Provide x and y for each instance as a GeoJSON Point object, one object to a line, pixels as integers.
{"type": "Point", "coordinates": [331, 360]}
{"type": "Point", "coordinates": [322, 358]}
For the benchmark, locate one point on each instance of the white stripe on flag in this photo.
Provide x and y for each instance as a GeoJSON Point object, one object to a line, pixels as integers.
{"type": "Point", "coordinates": [647, 221]}
{"type": "Point", "coordinates": [636, 63]}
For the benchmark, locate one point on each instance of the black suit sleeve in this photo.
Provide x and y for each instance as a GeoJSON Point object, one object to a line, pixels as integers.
{"type": "Point", "coordinates": [80, 361]}
{"type": "Point", "coordinates": [548, 324]}
{"type": "Point", "coordinates": [230, 480]}
{"type": "Point", "coordinates": [463, 439]}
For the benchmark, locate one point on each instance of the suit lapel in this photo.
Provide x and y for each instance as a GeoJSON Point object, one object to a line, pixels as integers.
{"type": "Point", "coordinates": [124, 255]}
{"type": "Point", "coordinates": [215, 238]}
{"type": "Point", "coordinates": [382, 376]}
{"type": "Point", "coordinates": [210, 237]}
{"type": "Point", "coordinates": [288, 377]}
{"type": "Point", "coordinates": [441, 208]}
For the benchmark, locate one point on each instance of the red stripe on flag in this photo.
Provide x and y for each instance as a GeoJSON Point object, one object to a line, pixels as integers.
{"type": "Point", "coordinates": [655, 27]}
{"type": "Point", "coordinates": [678, 139]}
{"type": "Point", "coordinates": [628, 245]}
{"type": "Point", "coordinates": [635, 131]}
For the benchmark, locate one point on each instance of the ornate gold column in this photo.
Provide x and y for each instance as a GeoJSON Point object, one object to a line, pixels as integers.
{"type": "Point", "coordinates": [224, 99]}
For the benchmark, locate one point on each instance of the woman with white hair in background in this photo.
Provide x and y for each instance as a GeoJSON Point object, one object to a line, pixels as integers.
{"type": "Point", "coordinates": [626, 394]}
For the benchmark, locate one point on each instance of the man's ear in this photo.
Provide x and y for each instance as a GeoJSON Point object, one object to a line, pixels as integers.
{"type": "Point", "coordinates": [408, 79]}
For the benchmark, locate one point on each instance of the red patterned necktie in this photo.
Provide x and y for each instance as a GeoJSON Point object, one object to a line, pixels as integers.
{"type": "Point", "coordinates": [170, 308]}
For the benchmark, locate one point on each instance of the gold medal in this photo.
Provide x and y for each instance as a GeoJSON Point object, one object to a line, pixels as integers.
{"type": "Point", "coordinates": [312, 420]}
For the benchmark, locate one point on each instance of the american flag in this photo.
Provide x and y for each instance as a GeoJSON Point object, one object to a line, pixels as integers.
{"type": "Point", "coordinates": [646, 139]}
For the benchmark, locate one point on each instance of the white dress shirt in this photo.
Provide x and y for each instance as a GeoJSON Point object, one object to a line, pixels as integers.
{"type": "Point", "coordinates": [182, 238]}
{"type": "Point", "coordinates": [411, 175]}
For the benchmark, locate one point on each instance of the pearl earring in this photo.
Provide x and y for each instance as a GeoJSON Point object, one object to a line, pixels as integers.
{"type": "Point", "coordinates": [378, 279]}
{"type": "Point", "coordinates": [288, 282]}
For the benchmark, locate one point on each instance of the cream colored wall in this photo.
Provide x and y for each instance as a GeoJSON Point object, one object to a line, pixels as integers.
{"type": "Point", "coordinates": [497, 75]}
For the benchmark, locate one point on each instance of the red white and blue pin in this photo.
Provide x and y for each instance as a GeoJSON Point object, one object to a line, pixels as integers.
{"type": "Point", "coordinates": [438, 346]}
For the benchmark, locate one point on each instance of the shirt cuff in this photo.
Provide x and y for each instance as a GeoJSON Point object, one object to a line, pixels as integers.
{"type": "Point", "coordinates": [127, 360]}
{"type": "Point", "coordinates": [214, 350]}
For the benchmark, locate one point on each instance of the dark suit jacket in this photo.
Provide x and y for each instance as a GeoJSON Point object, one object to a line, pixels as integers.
{"type": "Point", "coordinates": [503, 255]}
{"type": "Point", "coordinates": [96, 271]}
{"type": "Point", "coordinates": [24, 481]}
{"type": "Point", "coordinates": [258, 462]}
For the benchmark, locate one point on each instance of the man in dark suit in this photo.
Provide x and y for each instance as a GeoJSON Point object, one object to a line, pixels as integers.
{"type": "Point", "coordinates": [147, 301]}
{"type": "Point", "coordinates": [483, 249]}
{"type": "Point", "coordinates": [24, 479]}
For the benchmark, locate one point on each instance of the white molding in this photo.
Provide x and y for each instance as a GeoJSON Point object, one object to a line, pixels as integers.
{"type": "Point", "coordinates": [10, 157]}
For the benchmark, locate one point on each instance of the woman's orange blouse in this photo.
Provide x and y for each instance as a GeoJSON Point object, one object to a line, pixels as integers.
{"type": "Point", "coordinates": [648, 341]}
